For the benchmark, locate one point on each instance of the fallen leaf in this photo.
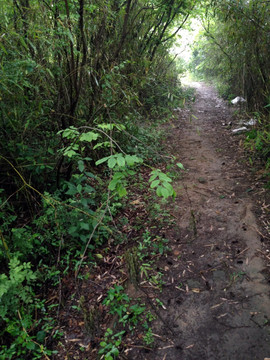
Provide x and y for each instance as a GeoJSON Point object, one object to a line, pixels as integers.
{"type": "Point", "coordinates": [221, 316]}
{"type": "Point", "coordinates": [74, 340]}
{"type": "Point", "coordinates": [136, 202]}
{"type": "Point", "coordinates": [215, 306]}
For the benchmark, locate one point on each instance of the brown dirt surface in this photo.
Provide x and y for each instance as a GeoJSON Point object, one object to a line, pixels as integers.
{"type": "Point", "coordinates": [216, 292]}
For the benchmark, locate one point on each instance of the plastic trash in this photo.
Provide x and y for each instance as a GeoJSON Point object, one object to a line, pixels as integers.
{"type": "Point", "coordinates": [238, 100]}
{"type": "Point", "coordinates": [251, 122]}
{"type": "Point", "coordinates": [240, 130]}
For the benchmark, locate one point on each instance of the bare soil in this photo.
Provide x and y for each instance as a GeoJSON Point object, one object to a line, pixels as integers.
{"type": "Point", "coordinates": [216, 291]}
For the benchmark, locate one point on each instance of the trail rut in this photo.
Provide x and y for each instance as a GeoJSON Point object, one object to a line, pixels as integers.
{"type": "Point", "coordinates": [216, 294]}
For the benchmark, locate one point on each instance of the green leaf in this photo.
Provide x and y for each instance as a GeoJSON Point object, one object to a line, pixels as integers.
{"type": "Point", "coordinates": [100, 161]}
{"type": "Point", "coordinates": [89, 136]}
{"type": "Point", "coordinates": [122, 191]}
{"type": "Point", "coordinates": [118, 175]}
{"type": "Point", "coordinates": [181, 166]}
{"type": "Point", "coordinates": [105, 144]}
{"type": "Point", "coordinates": [164, 177]}
{"type": "Point", "coordinates": [165, 193]}
{"type": "Point", "coordinates": [112, 162]}
{"type": "Point", "coordinates": [131, 172]}
{"type": "Point", "coordinates": [90, 175]}
{"type": "Point", "coordinates": [158, 191]}
{"type": "Point", "coordinates": [154, 176]}
{"type": "Point", "coordinates": [79, 188]}
{"type": "Point", "coordinates": [84, 226]}
{"type": "Point", "coordinates": [168, 186]}
{"type": "Point", "coordinates": [132, 159]}
{"type": "Point", "coordinates": [106, 126]}
{"type": "Point", "coordinates": [70, 133]}
{"type": "Point", "coordinates": [120, 127]}
{"type": "Point", "coordinates": [72, 189]}
{"type": "Point", "coordinates": [41, 336]}
{"type": "Point", "coordinates": [23, 43]}
{"type": "Point", "coordinates": [70, 153]}
{"type": "Point", "coordinates": [72, 230]}
{"type": "Point", "coordinates": [108, 357]}
{"type": "Point", "coordinates": [3, 48]}
{"type": "Point", "coordinates": [88, 188]}
{"type": "Point", "coordinates": [121, 160]}
{"type": "Point", "coordinates": [30, 345]}
{"type": "Point", "coordinates": [115, 351]}
{"type": "Point", "coordinates": [154, 184]}
{"type": "Point", "coordinates": [80, 165]}
{"type": "Point", "coordinates": [70, 36]}
{"type": "Point", "coordinates": [113, 184]}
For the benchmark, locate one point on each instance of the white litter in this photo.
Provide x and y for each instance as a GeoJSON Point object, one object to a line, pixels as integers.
{"type": "Point", "coordinates": [238, 100]}
{"type": "Point", "coordinates": [251, 122]}
{"type": "Point", "coordinates": [240, 130]}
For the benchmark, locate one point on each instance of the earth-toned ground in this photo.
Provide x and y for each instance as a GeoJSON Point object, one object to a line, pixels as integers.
{"type": "Point", "coordinates": [216, 291]}
{"type": "Point", "coordinates": [214, 302]}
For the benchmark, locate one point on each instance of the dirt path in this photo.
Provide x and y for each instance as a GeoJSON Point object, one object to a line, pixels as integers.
{"type": "Point", "coordinates": [216, 294]}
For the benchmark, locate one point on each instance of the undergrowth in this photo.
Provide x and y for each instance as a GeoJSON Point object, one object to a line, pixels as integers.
{"type": "Point", "coordinates": [65, 230]}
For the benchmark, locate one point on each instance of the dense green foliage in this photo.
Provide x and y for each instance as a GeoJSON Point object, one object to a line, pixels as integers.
{"type": "Point", "coordinates": [80, 83]}
{"type": "Point", "coordinates": [233, 50]}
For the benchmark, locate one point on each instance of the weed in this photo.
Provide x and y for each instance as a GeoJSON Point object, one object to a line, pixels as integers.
{"type": "Point", "coordinates": [117, 301]}
{"type": "Point", "coordinates": [110, 345]}
{"type": "Point", "coordinates": [160, 303]}
{"type": "Point", "coordinates": [156, 280]}
{"type": "Point", "coordinates": [120, 303]}
{"type": "Point", "coordinates": [148, 337]}
{"type": "Point", "coordinates": [145, 268]}
{"type": "Point", "coordinates": [135, 312]}
{"type": "Point", "coordinates": [160, 246]}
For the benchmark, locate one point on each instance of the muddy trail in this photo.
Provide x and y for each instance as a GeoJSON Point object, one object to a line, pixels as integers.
{"type": "Point", "coordinates": [216, 292]}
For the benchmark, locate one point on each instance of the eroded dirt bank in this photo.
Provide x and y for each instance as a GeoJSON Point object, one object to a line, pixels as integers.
{"type": "Point", "coordinates": [217, 291]}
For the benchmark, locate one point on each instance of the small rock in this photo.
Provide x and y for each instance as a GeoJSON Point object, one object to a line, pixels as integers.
{"type": "Point", "coordinates": [202, 180]}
